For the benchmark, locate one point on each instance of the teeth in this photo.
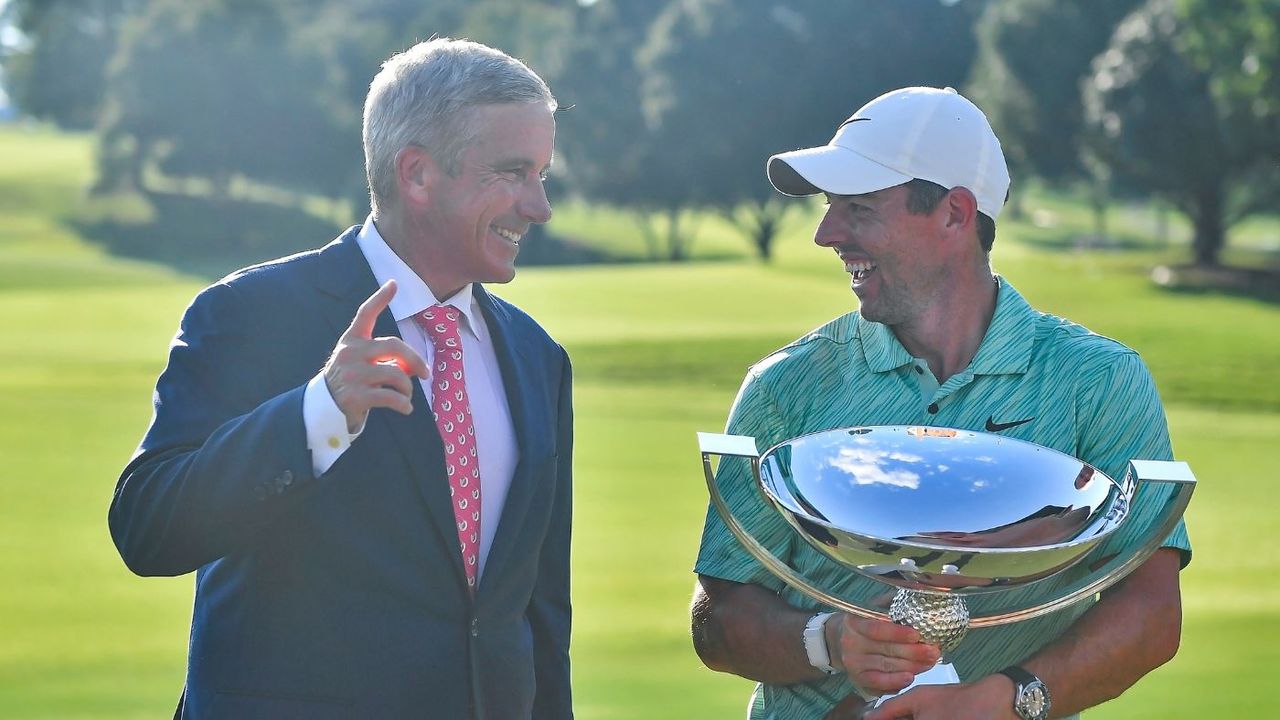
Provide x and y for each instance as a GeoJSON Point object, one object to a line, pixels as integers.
{"type": "Point", "coordinates": [859, 267]}
{"type": "Point", "coordinates": [508, 234]}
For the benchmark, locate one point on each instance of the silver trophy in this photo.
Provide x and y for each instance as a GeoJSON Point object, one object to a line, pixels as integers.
{"type": "Point", "coordinates": [942, 514]}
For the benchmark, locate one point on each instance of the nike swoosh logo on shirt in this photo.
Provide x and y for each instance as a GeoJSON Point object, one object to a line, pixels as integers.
{"type": "Point", "coordinates": [993, 426]}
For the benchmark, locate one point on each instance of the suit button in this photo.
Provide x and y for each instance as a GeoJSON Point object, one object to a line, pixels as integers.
{"type": "Point", "coordinates": [475, 627]}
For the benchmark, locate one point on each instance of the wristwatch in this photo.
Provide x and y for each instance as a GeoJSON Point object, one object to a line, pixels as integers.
{"type": "Point", "coordinates": [1030, 694]}
{"type": "Point", "coordinates": [815, 643]}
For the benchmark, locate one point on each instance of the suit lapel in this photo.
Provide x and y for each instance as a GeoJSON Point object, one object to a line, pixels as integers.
{"type": "Point", "coordinates": [519, 384]}
{"type": "Point", "coordinates": [344, 276]}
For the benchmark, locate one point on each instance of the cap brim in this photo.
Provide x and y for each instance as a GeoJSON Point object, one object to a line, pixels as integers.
{"type": "Point", "coordinates": [831, 169]}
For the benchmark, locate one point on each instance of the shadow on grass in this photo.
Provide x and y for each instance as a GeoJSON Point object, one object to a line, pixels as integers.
{"type": "Point", "coordinates": [1071, 240]}
{"type": "Point", "coordinates": [1256, 283]}
{"type": "Point", "coordinates": [210, 237]}
{"type": "Point", "coordinates": [204, 236]}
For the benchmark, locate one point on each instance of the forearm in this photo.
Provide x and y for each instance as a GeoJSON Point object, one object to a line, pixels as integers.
{"type": "Point", "coordinates": [181, 505]}
{"type": "Point", "coordinates": [750, 631]}
{"type": "Point", "coordinates": [1134, 629]}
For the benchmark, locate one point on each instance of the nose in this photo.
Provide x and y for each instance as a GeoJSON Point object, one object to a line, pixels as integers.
{"type": "Point", "coordinates": [534, 205]}
{"type": "Point", "coordinates": [831, 231]}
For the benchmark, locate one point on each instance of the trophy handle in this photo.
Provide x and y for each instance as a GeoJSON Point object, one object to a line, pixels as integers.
{"type": "Point", "coordinates": [744, 446]}
{"type": "Point", "coordinates": [1141, 472]}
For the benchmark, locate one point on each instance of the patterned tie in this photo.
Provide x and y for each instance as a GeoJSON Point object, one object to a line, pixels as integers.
{"type": "Point", "coordinates": [453, 419]}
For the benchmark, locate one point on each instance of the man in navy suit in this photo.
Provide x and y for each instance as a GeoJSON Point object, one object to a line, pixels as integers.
{"type": "Point", "coordinates": [364, 455]}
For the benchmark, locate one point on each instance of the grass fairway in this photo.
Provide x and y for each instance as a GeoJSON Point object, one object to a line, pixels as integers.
{"type": "Point", "coordinates": [659, 352]}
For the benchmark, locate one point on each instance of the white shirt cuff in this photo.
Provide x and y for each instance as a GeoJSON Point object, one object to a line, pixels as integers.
{"type": "Point", "coordinates": [326, 426]}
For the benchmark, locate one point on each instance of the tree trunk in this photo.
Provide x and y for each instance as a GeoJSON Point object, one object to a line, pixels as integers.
{"type": "Point", "coordinates": [675, 240]}
{"type": "Point", "coordinates": [759, 221]}
{"type": "Point", "coordinates": [1209, 227]}
{"type": "Point", "coordinates": [766, 229]}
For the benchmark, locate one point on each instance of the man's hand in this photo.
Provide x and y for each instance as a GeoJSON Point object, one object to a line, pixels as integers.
{"type": "Point", "coordinates": [365, 372]}
{"type": "Point", "coordinates": [879, 656]}
{"type": "Point", "coordinates": [991, 698]}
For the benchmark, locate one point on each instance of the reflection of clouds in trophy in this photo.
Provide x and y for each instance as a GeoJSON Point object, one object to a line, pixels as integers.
{"type": "Point", "coordinates": [866, 467]}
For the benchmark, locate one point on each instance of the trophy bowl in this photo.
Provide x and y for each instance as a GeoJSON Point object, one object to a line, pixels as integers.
{"type": "Point", "coordinates": [940, 509]}
{"type": "Point", "coordinates": [942, 514]}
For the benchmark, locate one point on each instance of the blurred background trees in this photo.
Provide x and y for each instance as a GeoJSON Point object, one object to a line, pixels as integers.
{"type": "Point", "coordinates": [244, 108]}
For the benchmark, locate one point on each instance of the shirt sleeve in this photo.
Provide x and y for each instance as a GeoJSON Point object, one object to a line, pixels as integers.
{"type": "Point", "coordinates": [1122, 419]}
{"type": "Point", "coordinates": [327, 435]}
{"type": "Point", "coordinates": [721, 555]}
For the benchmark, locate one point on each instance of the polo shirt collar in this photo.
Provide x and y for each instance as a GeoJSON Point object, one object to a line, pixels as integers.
{"type": "Point", "coordinates": [880, 347]}
{"type": "Point", "coordinates": [1005, 349]}
{"type": "Point", "coordinates": [412, 294]}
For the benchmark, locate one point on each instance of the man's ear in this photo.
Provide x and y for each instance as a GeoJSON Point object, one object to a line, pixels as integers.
{"type": "Point", "coordinates": [960, 210]}
{"type": "Point", "coordinates": [416, 171]}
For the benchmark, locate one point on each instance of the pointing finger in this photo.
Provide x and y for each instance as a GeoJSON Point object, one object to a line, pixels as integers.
{"type": "Point", "coordinates": [367, 315]}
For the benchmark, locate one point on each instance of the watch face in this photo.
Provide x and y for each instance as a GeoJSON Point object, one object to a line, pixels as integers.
{"type": "Point", "coordinates": [1034, 701]}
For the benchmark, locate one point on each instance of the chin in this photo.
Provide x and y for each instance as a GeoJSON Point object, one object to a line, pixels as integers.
{"type": "Point", "coordinates": [502, 275]}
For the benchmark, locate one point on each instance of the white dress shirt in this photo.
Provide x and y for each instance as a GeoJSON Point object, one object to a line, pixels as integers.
{"type": "Point", "coordinates": [326, 426]}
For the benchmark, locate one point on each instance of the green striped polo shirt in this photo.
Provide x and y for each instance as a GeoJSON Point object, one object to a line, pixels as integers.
{"type": "Point", "coordinates": [1078, 392]}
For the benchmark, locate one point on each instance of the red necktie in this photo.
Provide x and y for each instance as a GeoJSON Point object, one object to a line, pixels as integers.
{"type": "Point", "coordinates": [453, 419]}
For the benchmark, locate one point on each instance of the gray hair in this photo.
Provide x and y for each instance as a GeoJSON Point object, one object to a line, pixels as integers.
{"type": "Point", "coordinates": [424, 97]}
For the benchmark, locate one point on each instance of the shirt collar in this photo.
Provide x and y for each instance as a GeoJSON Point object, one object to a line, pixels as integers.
{"type": "Point", "coordinates": [412, 294]}
{"type": "Point", "coordinates": [1005, 349]}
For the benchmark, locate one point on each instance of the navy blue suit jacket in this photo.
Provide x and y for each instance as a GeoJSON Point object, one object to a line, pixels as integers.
{"type": "Point", "coordinates": [344, 596]}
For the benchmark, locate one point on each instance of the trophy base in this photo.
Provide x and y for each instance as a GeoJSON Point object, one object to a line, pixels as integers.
{"type": "Point", "coordinates": [940, 674]}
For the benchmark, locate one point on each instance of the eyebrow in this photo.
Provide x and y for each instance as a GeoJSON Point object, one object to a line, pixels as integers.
{"type": "Point", "coordinates": [520, 162]}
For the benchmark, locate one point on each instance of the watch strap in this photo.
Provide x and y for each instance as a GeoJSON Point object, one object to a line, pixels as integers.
{"type": "Point", "coordinates": [1019, 676]}
{"type": "Point", "coordinates": [1023, 703]}
{"type": "Point", "coordinates": [815, 643]}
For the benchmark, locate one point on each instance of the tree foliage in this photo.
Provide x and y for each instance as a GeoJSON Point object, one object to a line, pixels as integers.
{"type": "Point", "coordinates": [1237, 42]}
{"type": "Point", "coordinates": [676, 103]}
{"type": "Point", "coordinates": [726, 84]}
{"type": "Point", "coordinates": [1153, 117]}
{"type": "Point", "coordinates": [215, 89]}
{"type": "Point", "coordinates": [57, 74]}
{"type": "Point", "coordinates": [1032, 57]}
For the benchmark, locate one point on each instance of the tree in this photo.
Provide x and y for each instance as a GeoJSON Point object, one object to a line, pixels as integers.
{"type": "Point", "coordinates": [57, 73]}
{"type": "Point", "coordinates": [1237, 42]}
{"type": "Point", "coordinates": [606, 152]}
{"type": "Point", "coordinates": [1032, 57]}
{"type": "Point", "coordinates": [1152, 116]}
{"type": "Point", "coordinates": [218, 88]}
{"type": "Point", "coordinates": [726, 84]}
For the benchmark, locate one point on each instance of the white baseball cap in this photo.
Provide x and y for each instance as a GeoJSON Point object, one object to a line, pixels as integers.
{"type": "Point", "coordinates": [917, 132]}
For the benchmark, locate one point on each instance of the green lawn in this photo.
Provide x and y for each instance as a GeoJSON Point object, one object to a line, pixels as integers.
{"type": "Point", "coordinates": [659, 351]}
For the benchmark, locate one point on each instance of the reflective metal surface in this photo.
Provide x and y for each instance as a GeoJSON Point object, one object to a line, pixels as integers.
{"type": "Point", "coordinates": [951, 512]}
{"type": "Point", "coordinates": [941, 509]}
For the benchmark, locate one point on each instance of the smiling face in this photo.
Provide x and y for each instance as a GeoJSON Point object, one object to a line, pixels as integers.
{"type": "Point", "coordinates": [898, 267]}
{"type": "Point", "coordinates": [471, 223]}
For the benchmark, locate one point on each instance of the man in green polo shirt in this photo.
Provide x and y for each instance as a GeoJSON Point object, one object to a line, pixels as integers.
{"type": "Point", "coordinates": [914, 182]}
